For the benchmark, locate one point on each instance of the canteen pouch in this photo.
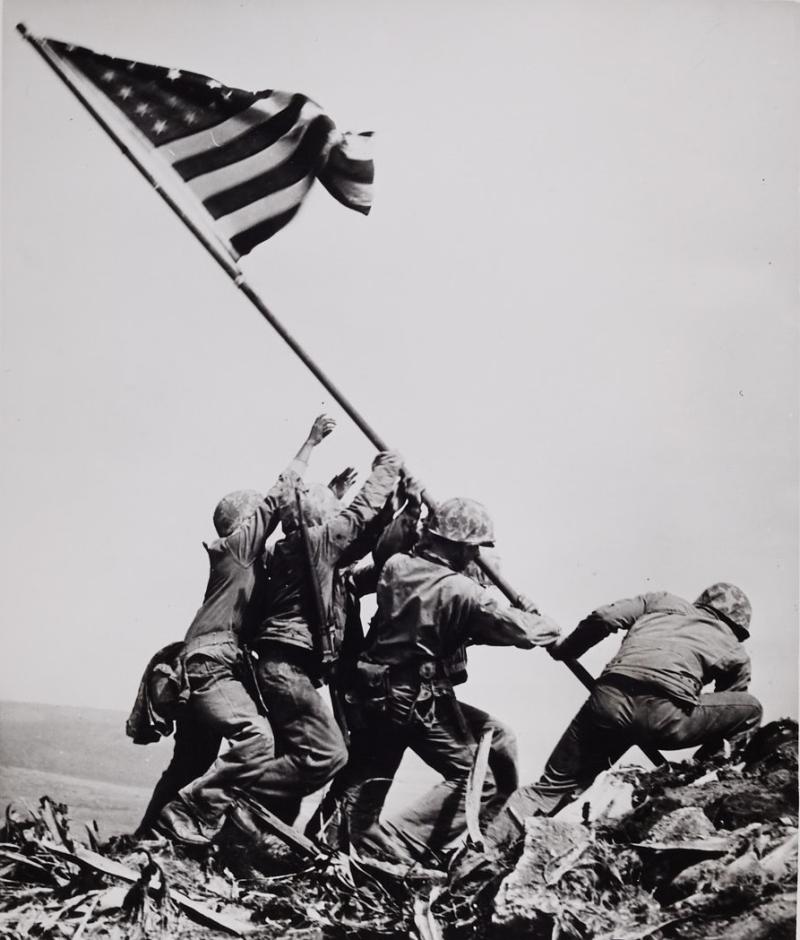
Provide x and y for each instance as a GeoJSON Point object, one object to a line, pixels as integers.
{"type": "Point", "coordinates": [371, 687]}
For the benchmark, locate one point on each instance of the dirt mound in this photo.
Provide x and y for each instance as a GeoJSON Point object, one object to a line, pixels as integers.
{"type": "Point", "coordinates": [704, 851]}
{"type": "Point", "coordinates": [53, 886]}
{"type": "Point", "coordinates": [686, 851]}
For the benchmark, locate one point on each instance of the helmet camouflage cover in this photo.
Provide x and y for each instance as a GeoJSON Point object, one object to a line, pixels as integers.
{"type": "Point", "coordinates": [462, 520]}
{"type": "Point", "coordinates": [731, 602]}
{"type": "Point", "coordinates": [234, 509]}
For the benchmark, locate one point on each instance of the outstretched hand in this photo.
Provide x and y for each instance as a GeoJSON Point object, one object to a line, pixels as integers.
{"type": "Point", "coordinates": [413, 489]}
{"type": "Point", "coordinates": [342, 482]}
{"type": "Point", "coordinates": [320, 429]}
{"type": "Point", "coordinates": [548, 633]}
{"type": "Point", "coordinates": [526, 604]}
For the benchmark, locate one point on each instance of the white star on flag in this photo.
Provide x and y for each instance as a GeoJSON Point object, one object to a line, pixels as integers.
{"type": "Point", "coordinates": [247, 158]}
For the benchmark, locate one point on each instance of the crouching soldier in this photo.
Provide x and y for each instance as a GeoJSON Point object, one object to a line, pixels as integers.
{"type": "Point", "coordinates": [304, 592]}
{"type": "Point", "coordinates": [219, 705]}
{"type": "Point", "coordinates": [427, 609]}
{"type": "Point", "coordinates": [649, 694]}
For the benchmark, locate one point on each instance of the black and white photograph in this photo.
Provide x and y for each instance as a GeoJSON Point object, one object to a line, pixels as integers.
{"type": "Point", "coordinates": [401, 461]}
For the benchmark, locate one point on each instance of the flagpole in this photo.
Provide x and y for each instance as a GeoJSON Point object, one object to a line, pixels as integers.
{"type": "Point", "coordinates": [234, 272]}
{"type": "Point", "coordinates": [222, 258]}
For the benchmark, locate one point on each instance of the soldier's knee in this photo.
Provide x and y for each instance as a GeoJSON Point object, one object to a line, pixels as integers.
{"type": "Point", "coordinates": [320, 765]}
{"type": "Point", "coordinates": [337, 759]}
{"type": "Point", "coordinates": [757, 712]}
{"type": "Point", "coordinates": [254, 740]}
{"type": "Point", "coordinates": [504, 741]}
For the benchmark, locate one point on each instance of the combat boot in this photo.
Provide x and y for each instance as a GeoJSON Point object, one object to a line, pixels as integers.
{"type": "Point", "coordinates": [182, 821]}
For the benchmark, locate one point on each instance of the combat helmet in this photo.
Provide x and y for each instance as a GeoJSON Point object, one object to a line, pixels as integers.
{"type": "Point", "coordinates": [234, 509]}
{"type": "Point", "coordinates": [731, 603]}
{"type": "Point", "coordinates": [462, 520]}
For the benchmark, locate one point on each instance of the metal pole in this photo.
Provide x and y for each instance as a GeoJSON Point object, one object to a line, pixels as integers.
{"type": "Point", "coordinates": [235, 273]}
{"type": "Point", "coordinates": [224, 260]}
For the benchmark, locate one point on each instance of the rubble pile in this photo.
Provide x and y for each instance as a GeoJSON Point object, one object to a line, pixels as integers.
{"type": "Point", "coordinates": [688, 850]}
{"type": "Point", "coordinates": [53, 886]}
{"type": "Point", "coordinates": [705, 850]}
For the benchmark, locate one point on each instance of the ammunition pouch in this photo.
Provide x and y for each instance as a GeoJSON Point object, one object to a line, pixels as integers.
{"type": "Point", "coordinates": [455, 666]}
{"type": "Point", "coordinates": [370, 687]}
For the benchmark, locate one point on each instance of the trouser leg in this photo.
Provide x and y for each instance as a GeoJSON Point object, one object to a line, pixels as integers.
{"type": "Point", "coordinates": [597, 737]}
{"type": "Point", "coordinates": [312, 747]}
{"type": "Point", "coordinates": [503, 761]}
{"type": "Point", "coordinates": [196, 747]}
{"type": "Point", "coordinates": [223, 705]}
{"type": "Point", "coordinates": [718, 716]}
{"type": "Point", "coordinates": [438, 733]}
{"type": "Point", "coordinates": [360, 788]}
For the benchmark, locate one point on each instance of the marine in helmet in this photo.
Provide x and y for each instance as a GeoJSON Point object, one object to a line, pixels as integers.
{"type": "Point", "coordinates": [193, 796]}
{"type": "Point", "coordinates": [649, 693]}
{"type": "Point", "coordinates": [286, 638]}
{"type": "Point", "coordinates": [403, 697]}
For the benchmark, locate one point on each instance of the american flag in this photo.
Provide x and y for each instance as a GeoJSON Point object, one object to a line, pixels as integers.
{"type": "Point", "coordinates": [248, 157]}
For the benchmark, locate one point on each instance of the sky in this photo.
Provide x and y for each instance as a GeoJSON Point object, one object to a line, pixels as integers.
{"type": "Point", "coordinates": [575, 299]}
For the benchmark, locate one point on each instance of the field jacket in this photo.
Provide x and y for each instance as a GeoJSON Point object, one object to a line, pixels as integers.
{"type": "Point", "coordinates": [670, 644]}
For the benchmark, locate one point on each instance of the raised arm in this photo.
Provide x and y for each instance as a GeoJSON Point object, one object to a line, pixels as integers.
{"type": "Point", "coordinates": [320, 429]}
{"type": "Point", "coordinates": [342, 482]}
{"type": "Point", "coordinates": [247, 542]}
{"type": "Point", "coordinates": [341, 531]}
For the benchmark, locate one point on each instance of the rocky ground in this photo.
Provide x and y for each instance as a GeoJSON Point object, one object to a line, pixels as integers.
{"type": "Point", "coordinates": [686, 851]}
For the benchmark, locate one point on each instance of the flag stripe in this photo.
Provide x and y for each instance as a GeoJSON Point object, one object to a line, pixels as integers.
{"type": "Point", "coordinates": [218, 180]}
{"type": "Point", "coordinates": [353, 195]}
{"type": "Point", "coordinates": [219, 135]}
{"type": "Point", "coordinates": [245, 145]}
{"type": "Point", "coordinates": [357, 171]}
{"type": "Point", "coordinates": [247, 240]}
{"type": "Point", "coordinates": [302, 165]}
{"type": "Point", "coordinates": [249, 158]}
{"type": "Point", "coordinates": [265, 208]}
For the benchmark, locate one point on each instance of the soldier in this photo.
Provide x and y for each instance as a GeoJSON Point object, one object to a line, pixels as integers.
{"type": "Point", "coordinates": [219, 706]}
{"type": "Point", "coordinates": [427, 609]}
{"type": "Point", "coordinates": [365, 804]}
{"type": "Point", "coordinates": [287, 641]}
{"type": "Point", "coordinates": [650, 693]}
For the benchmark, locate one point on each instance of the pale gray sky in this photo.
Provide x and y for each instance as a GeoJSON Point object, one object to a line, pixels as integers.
{"type": "Point", "coordinates": [576, 300]}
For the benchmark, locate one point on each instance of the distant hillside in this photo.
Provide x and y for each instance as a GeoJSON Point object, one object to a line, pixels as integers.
{"type": "Point", "coordinates": [78, 756]}
{"type": "Point", "coordinates": [78, 742]}
{"type": "Point", "coordinates": [81, 756]}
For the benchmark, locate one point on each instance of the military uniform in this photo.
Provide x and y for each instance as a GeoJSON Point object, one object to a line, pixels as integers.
{"type": "Point", "coordinates": [220, 706]}
{"type": "Point", "coordinates": [311, 746]}
{"type": "Point", "coordinates": [426, 611]}
{"type": "Point", "coordinates": [649, 693]}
